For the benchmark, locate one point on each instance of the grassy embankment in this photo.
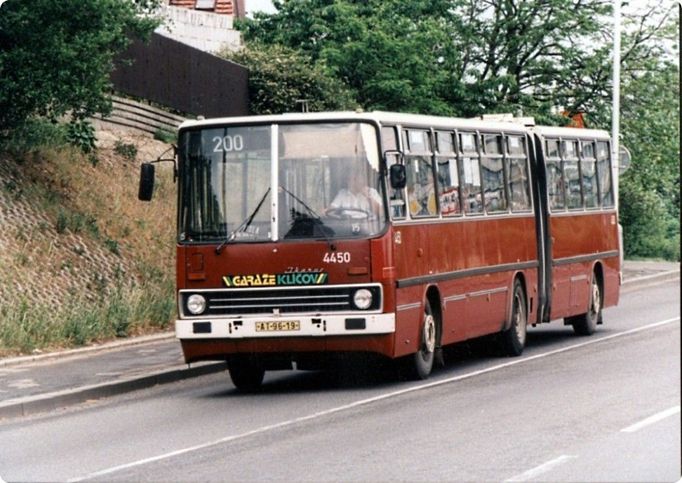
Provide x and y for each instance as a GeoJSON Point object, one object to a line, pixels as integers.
{"type": "Point", "coordinates": [81, 259]}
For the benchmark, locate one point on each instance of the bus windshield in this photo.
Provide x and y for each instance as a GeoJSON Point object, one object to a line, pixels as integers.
{"type": "Point", "coordinates": [318, 181]}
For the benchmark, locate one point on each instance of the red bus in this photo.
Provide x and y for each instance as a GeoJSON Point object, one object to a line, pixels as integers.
{"type": "Point", "coordinates": [305, 236]}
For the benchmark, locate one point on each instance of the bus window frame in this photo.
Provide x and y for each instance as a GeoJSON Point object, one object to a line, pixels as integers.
{"type": "Point", "coordinates": [502, 156]}
{"type": "Point", "coordinates": [449, 156]}
{"type": "Point", "coordinates": [461, 154]}
{"type": "Point", "coordinates": [609, 166]}
{"type": "Point", "coordinates": [509, 157]}
{"type": "Point", "coordinates": [576, 159]}
{"type": "Point", "coordinates": [555, 159]}
{"type": "Point", "coordinates": [429, 154]}
{"type": "Point", "coordinates": [582, 176]}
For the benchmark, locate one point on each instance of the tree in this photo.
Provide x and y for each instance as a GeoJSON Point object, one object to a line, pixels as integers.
{"type": "Point", "coordinates": [650, 110]}
{"type": "Point", "coordinates": [454, 57]}
{"type": "Point", "coordinates": [280, 78]}
{"type": "Point", "coordinates": [392, 54]}
{"type": "Point", "coordinates": [56, 56]}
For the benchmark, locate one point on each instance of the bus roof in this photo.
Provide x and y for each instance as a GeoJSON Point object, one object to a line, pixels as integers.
{"type": "Point", "coordinates": [571, 132]}
{"type": "Point", "coordinates": [404, 119]}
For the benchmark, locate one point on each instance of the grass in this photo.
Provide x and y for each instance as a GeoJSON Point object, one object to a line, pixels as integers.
{"type": "Point", "coordinates": [26, 326]}
{"type": "Point", "coordinates": [83, 260]}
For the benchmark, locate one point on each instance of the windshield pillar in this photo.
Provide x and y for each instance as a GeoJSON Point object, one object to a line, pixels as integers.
{"type": "Point", "coordinates": [274, 182]}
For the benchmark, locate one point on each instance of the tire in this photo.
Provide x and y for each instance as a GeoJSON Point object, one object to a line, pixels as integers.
{"type": "Point", "coordinates": [246, 374]}
{"type": "Point", "coordinates": [513, 340]}
{"type": "Point", "coordinates": [586, 324]}
{"type": "Point", "coordinates": [420, 364]}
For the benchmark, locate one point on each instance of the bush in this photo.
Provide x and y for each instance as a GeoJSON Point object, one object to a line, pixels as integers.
{"type": "Point", "coordinates": [648, 229]}
{"type": "Point", "coordinates": [81, 134]}
{"type": "Point", "coordinates": [128, 151]}
{"type": "Point", "coordinates": [32, 135]}
{"type": "Point", "coordinates": [165, 136]}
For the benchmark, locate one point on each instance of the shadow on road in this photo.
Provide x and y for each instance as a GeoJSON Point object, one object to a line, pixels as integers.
{"type": "Point", "coordinates": [357, 372]}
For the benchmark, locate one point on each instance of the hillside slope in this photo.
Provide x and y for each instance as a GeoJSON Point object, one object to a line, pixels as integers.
{"type": "Point", "coordinates": [81, 259]}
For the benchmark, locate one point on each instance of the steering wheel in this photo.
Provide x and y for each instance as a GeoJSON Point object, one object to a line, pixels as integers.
{"type": "Point", "coordinates": [348, 213]}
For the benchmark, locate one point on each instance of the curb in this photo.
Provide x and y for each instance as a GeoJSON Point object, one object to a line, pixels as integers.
{"type": "Point", "coordinates": [69, 397]}
{"type": "Point", "coordinates": [647, 280]}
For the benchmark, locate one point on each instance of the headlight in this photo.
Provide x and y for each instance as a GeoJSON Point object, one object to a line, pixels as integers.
{"type": "Point", "coordinates": [196, 304]}
{"type": "Point", "coordinates": [362, 299]}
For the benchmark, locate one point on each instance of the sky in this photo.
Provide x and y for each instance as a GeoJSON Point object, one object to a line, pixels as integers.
{"type": "Point", "coordinates": [257, 6]}
{"type": "Point", "coordinates": [629, 5]}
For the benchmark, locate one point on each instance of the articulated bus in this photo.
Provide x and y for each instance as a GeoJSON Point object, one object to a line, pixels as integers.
{"type": "Point", "coordinates": [468, 227]}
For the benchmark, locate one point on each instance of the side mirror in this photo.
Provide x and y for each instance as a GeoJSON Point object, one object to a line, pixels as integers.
{"type": "Point", "coordinates": [624, 159]}
{"type": "Point", "coordinates": [398, 176]}
{"type": "Point", "coordinates": [146, 182]}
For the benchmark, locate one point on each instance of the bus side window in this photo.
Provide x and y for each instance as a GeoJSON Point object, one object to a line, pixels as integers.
{"type": "Point", "coordinates": [572, 174]}
{"type": "Point", "coordinates": [421, 197]}
{"type": "Point", "coordinates": [448, 175]}
{"type": "Point", "coordinates": [492, 169]}
{"type": "Point", "coordinates": [589, 174]}
{"type": "Point", "coordinates": [604, 174]}
{"type": "Point", "coordinates": [517, 172]}
{"type": "Point", "coordinates": [470, 175]}
{"type": "Point", "coordinates": [396, 197]}
{"type": "Point", "coordinates": [555, 178]}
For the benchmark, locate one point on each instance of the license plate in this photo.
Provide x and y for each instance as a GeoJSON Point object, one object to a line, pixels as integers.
{"type": "Point", "coordinates": [278, 326]}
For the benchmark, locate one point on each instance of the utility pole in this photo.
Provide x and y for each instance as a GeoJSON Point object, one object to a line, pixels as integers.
{"type": "Point", "coordinates": [615, 115]}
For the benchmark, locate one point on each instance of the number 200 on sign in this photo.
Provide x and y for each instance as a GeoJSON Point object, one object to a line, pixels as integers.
{"type": "Point", "coordinates": [228, 143]}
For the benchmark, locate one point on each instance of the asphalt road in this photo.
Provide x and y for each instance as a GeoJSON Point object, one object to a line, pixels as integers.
{"type": "Point", "coordinates": [600, 408]}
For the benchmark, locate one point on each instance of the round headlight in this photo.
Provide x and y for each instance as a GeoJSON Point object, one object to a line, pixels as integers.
{"type": "Point", "coordinates": [362, 299]}
{"type": "Point", "coordinates": [196, 304]}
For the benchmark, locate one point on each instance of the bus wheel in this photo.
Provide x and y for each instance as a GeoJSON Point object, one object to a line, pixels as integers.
{"type": "Point", "coordinates": [246, 374]}
{"type": "Point", "coordinates": [421, 362]}
{"type": "Point", "coordinates": [514, 338]}
{"type": "Point", "coordinates": [586, 324]}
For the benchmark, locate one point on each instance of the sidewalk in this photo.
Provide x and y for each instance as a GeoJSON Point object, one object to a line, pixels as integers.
{"type": "Point", "coordinates": [33, 384]}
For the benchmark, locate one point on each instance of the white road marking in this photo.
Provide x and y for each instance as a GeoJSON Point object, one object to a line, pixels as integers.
{"type": "Point", "coordinates": [651, 420]}
{"type": "Point", "coordinates": [542, 469]}
{"type": "Point", "coordinates": [23, 384]}
{"type": "Point", "coordinates": [364, 402]}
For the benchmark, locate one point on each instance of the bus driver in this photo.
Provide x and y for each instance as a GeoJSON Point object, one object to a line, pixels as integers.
{"type": "Point", "coordinates": [357, 197]}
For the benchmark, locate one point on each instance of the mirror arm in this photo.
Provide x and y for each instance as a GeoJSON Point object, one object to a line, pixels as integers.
{"type": "Point", "coordinates": [401, 156]}
{"type": "Point", "coordinates": [173, 160]}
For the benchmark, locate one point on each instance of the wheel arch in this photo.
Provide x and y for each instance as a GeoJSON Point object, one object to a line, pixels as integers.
{"type": "Point", "coordinates": [521, 277]}
{"type": "Point", "coordinates": [598, 271]}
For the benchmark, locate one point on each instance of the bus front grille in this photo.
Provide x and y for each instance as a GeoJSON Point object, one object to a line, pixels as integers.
{"type": "Point", "coordinates": [254, 301]}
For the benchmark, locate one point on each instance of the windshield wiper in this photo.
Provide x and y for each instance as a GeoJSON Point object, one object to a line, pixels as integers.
{"type": "Point", "coordinates": [313, 214]}
{"type": "Point", "coordinates": [243, 226]}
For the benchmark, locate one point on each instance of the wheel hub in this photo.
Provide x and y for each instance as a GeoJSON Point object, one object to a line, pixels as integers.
{"type": "Point", "coordinates": [429, 336]}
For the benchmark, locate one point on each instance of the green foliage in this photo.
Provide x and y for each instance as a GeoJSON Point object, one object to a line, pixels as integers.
{"type": "Point", "coordinates": [127, 150]}
{"type": "Point", "coordinates": [56, 56]}
{"type": "Point", "coordinates": [33, 134]}
{"type": "Point", "coordinates": [279, 78]}
{"type": "Point", "coordinates": [165, 136]}
{"type": "Point", "coordinates": [650, 189]}
{"type": "Point", "coordinates": [81, 134]}
{"type": "Point", "coordinates": [452, 57]}
{"type": "Point", "coordinates": [26, 326]}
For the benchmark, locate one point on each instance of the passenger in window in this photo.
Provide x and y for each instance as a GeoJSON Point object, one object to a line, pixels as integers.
{"type": "Point", "coordinates": [357, 200]}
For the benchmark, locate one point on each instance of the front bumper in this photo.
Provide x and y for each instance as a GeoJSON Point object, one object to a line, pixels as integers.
{"type": "Point", "coordinates": [308, 326]}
